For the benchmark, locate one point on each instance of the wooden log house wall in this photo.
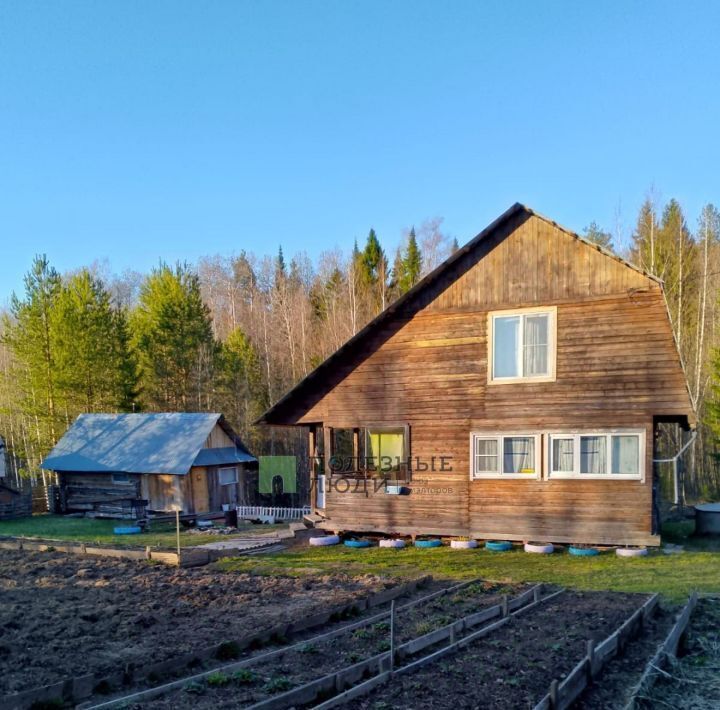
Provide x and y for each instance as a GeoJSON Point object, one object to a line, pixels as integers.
{"type": "Point", "coordinates": [180, 467]}
{"type": "Point", "coordinates": [424, 363]}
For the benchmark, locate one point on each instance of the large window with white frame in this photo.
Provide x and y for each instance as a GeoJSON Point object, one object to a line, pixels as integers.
{"type": "Point", "coordinates": [504, 455]}
{"type": "Point", "coordinates": [614, 454]}
{"type": "Point", "coordinates": [522, 345]}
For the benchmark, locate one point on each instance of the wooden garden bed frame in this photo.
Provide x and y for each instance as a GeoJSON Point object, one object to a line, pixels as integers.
{"type": "Point", "coordinates": [345, 677]}
{"type": "Point", "coordinates": [667, 649]}
{"type": "Point", "coordinates": [76, 689]}
{"type": "Point", "coordinates": [564, 693]}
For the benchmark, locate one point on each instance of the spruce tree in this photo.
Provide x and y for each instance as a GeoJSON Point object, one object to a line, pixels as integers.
{"type": "Point", "coordinates": [411, 264]}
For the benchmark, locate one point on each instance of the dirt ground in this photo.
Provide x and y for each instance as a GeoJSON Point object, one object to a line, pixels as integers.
{"type": "Point", "coordinates": [693, 680]}
{"type": "Point", "coordinates": [65, 615]}
{"type": "Point", "coordinates": [315, 659]}
{"type": "Point", "coordinates": [513, 667]}
{"type": "Point", "coordinates": [622, 674]}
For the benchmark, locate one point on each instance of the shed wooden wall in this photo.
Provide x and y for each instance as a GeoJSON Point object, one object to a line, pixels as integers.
{"type": "Point", "coordinates": [86, 492]}
{"type": "Point", "coordinates": [617, 366]}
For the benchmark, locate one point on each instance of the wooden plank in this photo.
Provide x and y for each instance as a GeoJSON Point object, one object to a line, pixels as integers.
{"type": "Point", "coordinates": [617, 366]}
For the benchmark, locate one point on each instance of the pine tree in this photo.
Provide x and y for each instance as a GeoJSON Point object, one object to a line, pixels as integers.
{"type": "Point", "coordinates": [241, 394]}
{"type": "Point", "coordinates": [454, 246]}
{"type": "Point", "coordinates": [29, 333]}
{"type": "Point", "coordinates": [172, 332]}
{"type": "Point", "coordinates": [96, 370]}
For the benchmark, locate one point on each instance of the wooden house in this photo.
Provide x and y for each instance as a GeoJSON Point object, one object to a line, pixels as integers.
{"type": "Point", "coordinates": [190, 462]}
{"type": "Point", "coordinates": [514, 393]}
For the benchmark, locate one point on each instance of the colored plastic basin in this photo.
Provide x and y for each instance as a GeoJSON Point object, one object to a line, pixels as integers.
{"type": "Point", "coordinates": [133, 530]}
{"type": "Point", "coordinates": [583, 551]}
{"type": "Point", "coordinates": [324, 540]}
{"type": "Point", "coordinates": [428, 543]}
{"type": "Point", "coordinates": [631, 551]}
{"type": "Point", "coordinates": [539, 549]}
{"type": "Point", "coordinates": [357, 543]}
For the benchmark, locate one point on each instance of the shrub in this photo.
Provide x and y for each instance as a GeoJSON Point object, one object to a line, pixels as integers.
{"type": "Point", "coordinates": [277, 685]}
{"type": "Point", "coordinates": [218, 680]}
{"type": "Point", "coordinates": [243, 676]}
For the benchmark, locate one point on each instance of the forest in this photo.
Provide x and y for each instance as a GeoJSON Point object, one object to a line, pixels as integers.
{"type": "Point", "coordinates": [233, 333]}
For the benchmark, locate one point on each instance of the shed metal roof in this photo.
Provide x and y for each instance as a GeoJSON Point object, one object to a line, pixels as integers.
{"type": "Point", "coordinates": [136, 443]}
{"type": "Point", "coordinates": [222, 456]}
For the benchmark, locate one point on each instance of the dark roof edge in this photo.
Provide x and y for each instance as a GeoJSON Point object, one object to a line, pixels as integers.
{"type": "Point", "coordinates": [425, 281]}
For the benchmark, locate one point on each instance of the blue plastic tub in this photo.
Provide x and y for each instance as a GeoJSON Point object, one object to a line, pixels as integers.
{"type": "Point", "coordinates": [357, 543]}
{"type": "Point", "coordinates": [583, 551]}
{"type": "Point", "coordinates": [428, 543]}
{"type": "Point", "coordinates": [498, 545]}
{"type": "Point", "coordinates": [133, 530]}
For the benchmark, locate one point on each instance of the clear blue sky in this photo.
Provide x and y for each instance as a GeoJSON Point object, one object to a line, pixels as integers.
{"type": "Point", "coordinates": [138, 130]}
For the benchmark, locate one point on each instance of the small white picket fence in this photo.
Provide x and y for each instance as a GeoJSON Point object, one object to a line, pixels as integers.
{"type": "Point", "coordinates": [271, 513]}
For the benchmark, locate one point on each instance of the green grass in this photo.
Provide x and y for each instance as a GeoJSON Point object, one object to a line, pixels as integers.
{"type": "Point", "coordinates": [674, 576]}
{"type": "Point", "coordinates": [161, 535]}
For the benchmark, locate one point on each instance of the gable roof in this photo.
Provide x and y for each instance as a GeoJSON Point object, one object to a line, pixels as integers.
{"type": "Point", "coordinates": [140, 443]}
{"type": "Point", "coordinates": [271, 415]}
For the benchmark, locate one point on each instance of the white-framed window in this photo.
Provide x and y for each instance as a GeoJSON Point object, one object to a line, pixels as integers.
{"type": "Point", "coordinates": [227, 476]}
{"type": "Point", "coordinates": [521, 345]}
{"type": "Point", "coordinates": [613, 454]}
{"type": "Point", "coordinates": [121, 478]}
{"type": "Point", "coordinates": [505, 455]}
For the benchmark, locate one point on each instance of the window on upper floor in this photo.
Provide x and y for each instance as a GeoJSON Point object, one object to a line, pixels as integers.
{"type": "Point", "coordinates": [521, 346]}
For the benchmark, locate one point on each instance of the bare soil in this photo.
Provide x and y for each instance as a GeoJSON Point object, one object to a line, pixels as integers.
{"type": "Point", "coordinates": [619, 677]}
{"type": "Point", "coordinates": [64, 615]}
{"type": "Point", "coordinates": [512, 668]}
{"type": "Point", "coordinates": [313, 660]}
{"type": "Point", "coordinates": [693, 680]}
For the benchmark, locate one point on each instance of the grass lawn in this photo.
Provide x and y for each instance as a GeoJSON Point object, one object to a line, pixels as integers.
{"type": "Point", "coordinates": [674, 576]}
{"type": "Point", "coordinates": [161, 535]}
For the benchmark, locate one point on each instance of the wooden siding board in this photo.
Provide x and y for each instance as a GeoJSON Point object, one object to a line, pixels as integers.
{"type": "Point", "coordinates": [617, 366]}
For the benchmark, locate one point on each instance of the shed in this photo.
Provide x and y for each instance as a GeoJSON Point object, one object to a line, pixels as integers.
{"type": "Point", "coordinates": [192, 462]}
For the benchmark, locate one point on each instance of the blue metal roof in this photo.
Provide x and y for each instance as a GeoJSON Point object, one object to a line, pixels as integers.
{"type": "Point", "coordinates": [222, 456]}
{"type": "Point", "coordinates": [135, 443]}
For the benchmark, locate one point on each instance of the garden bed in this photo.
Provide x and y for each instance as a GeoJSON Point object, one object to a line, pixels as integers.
{"type": "Point", "coordinates": [317, 658]}
{"type": "Point", "coordinates": [693, 679]}
{"type": "Point", "coordinates": [513, 667]}
{"type": "Point", "coordinates": [64, 615]}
